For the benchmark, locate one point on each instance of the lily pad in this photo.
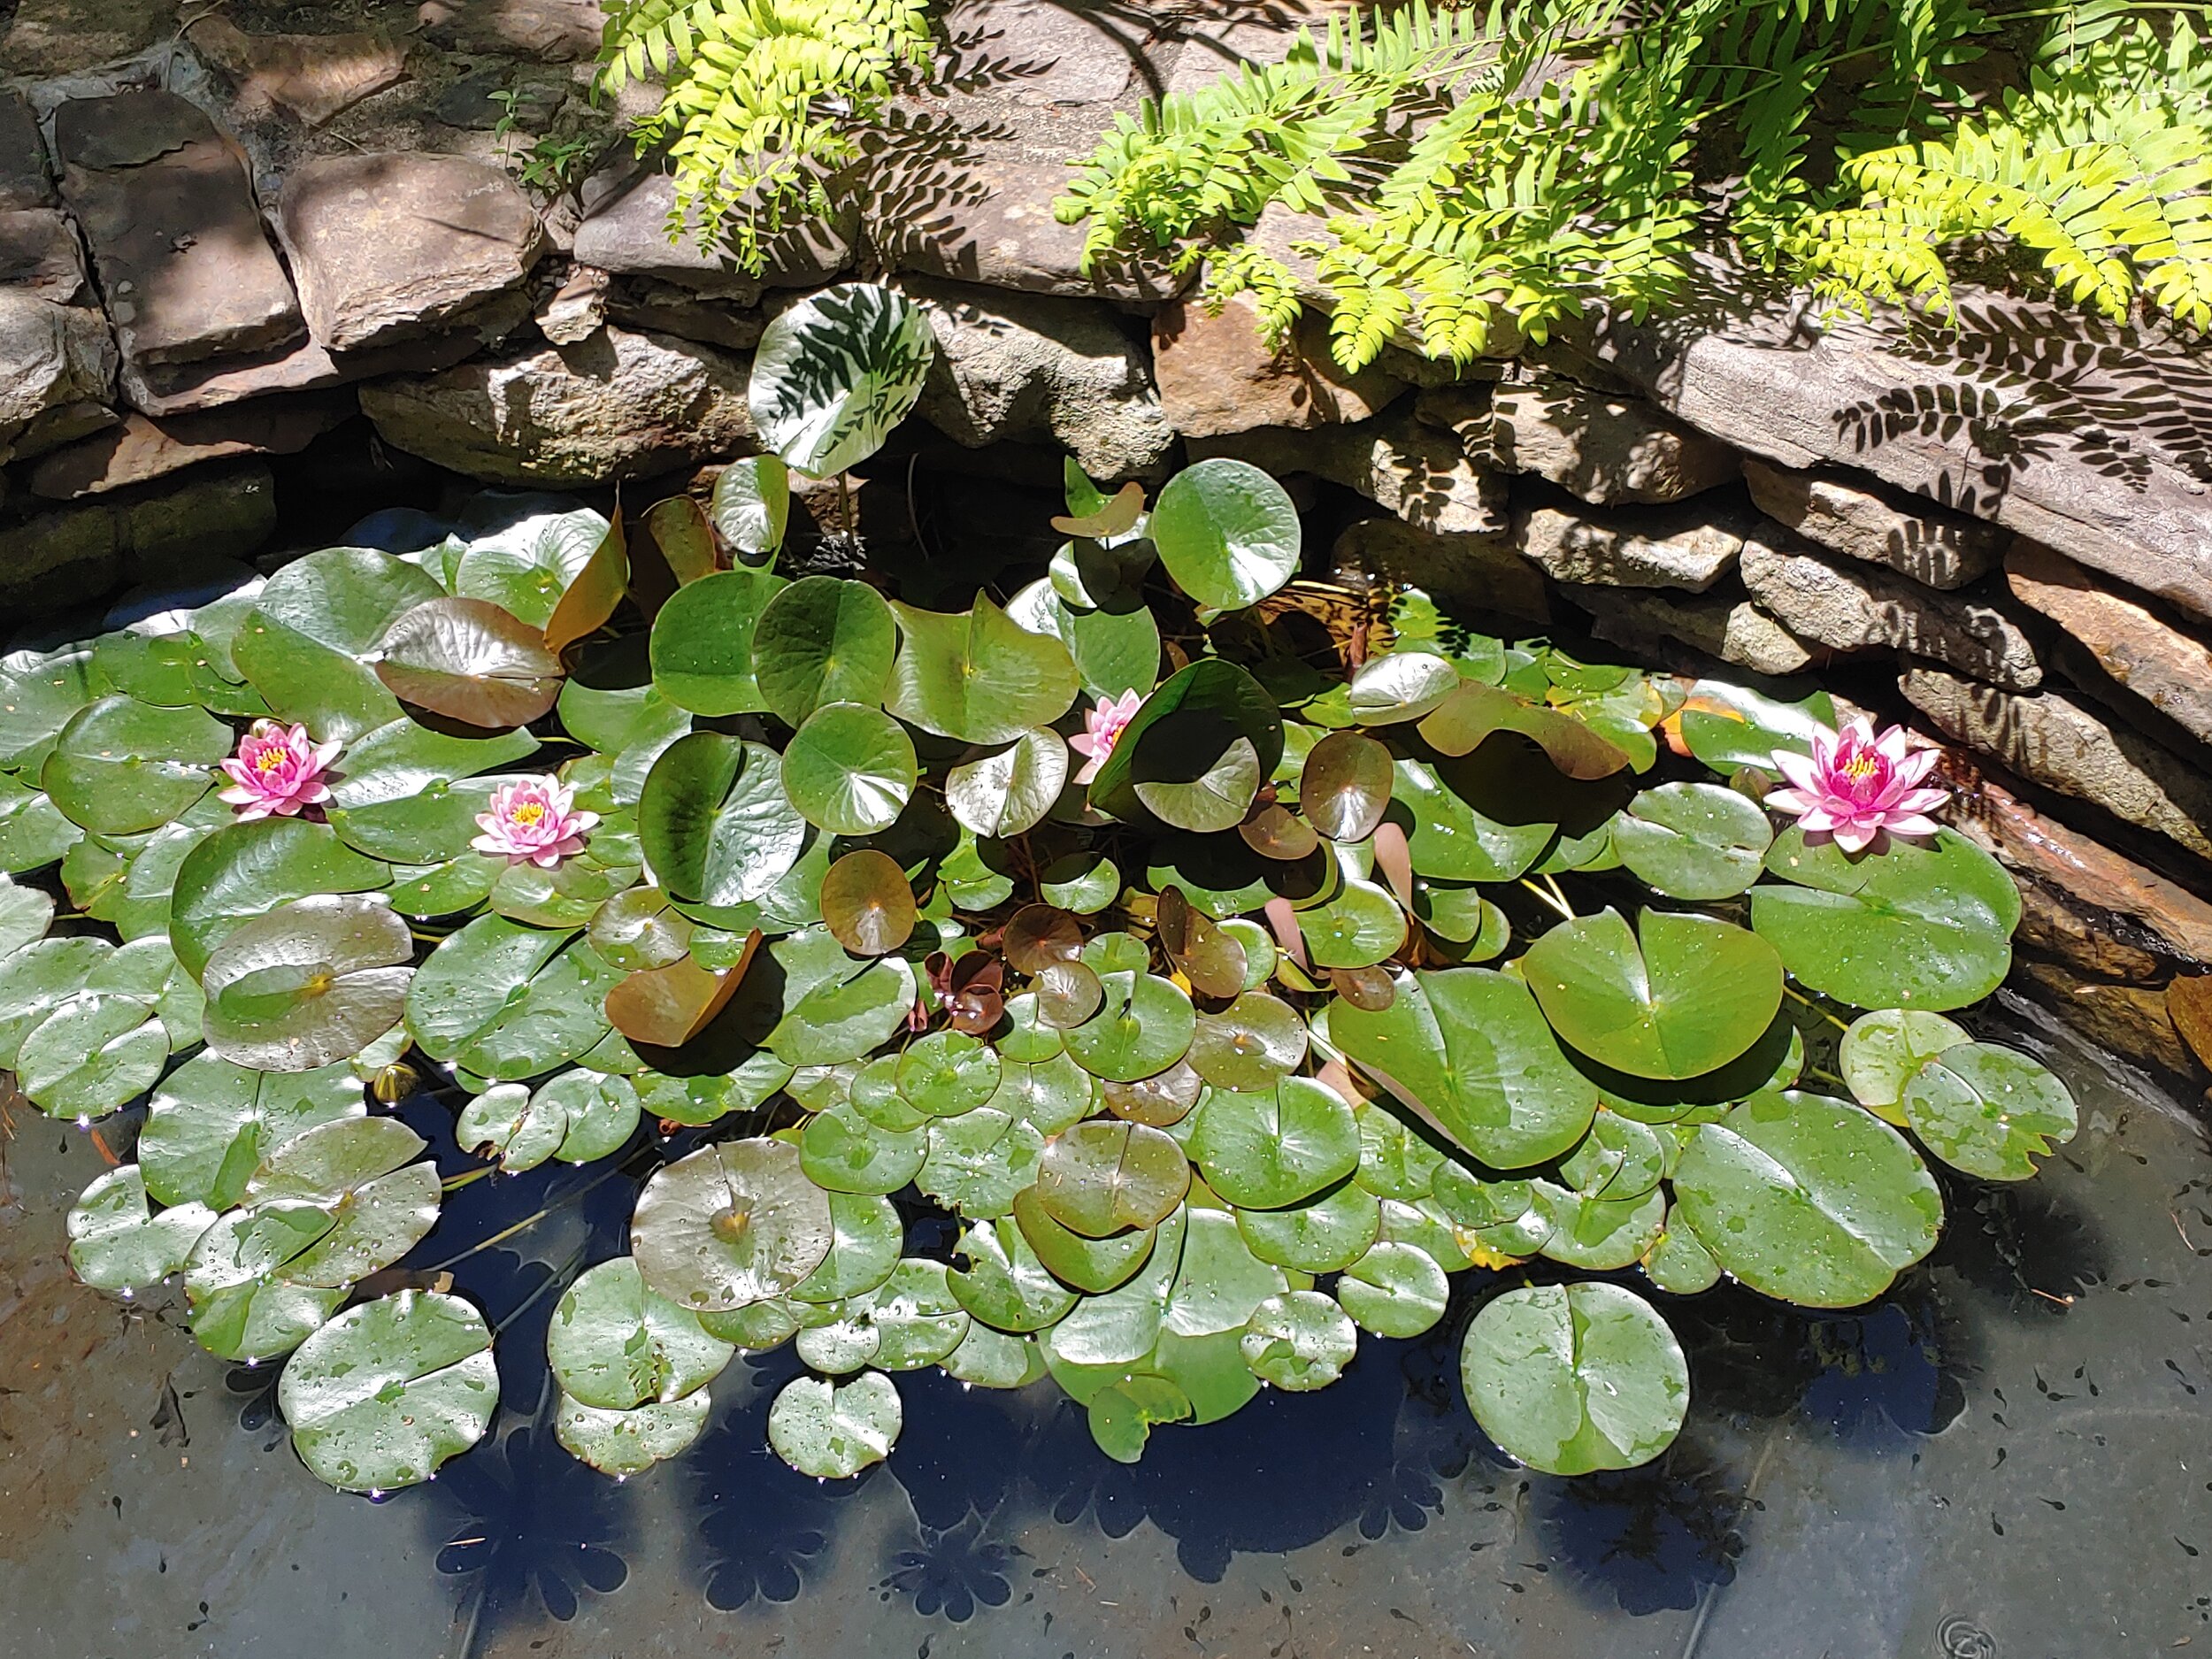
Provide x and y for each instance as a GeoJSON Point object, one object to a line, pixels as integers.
{"type": "Point", "coordinates": [949, 1072]}
{"type": "Point", "coordinates": [212, 1123]}
{"type": "Point", "coordinates": [717, 827]}
{"type": "Point", "coordinates": [702, 641]}
{"type": "Point", "coordinates": [1227, 533]}
{"type": "Point", "coordinates": [1093, 1266]}
{"type": "Point", "coordinates": [1321, 1234]}
{"type": "Point", "coordinates": [734, 1223]}
{"type": "Point", "coordinates": [1299, 1340]}
{"type": "Point", "coordinates": [1144, 1025]}
{"type": "Point", "coordinates": [1250, 1045]}
{"type": "Point", "coordinates": [117, 1242]}
{"type": "Point", "coordinates": [471, 661]}
{"type": "Point", "coordinates": [505, 1001]}
{"type": "Point", "coordinates": [1272, 1151]}
{"type": "Point", "coordinates": [1470, 1050]}
{"type": "Point", "coordinates": [386, 1392]}
{"type": "Point", "coordinates": [980, 1162]}
{"type": "Point", "coordinates": [843, 1151]}
{"type": "Point", "coordinates": [1114, 651]}
{"type": "Point", "coordinates": [850, 769]}
{"type": "Point", "coordinates": [247, 870]}
{"type": "Point", "coordinates": [977, 676]}
{"type": "Point", "coordinates": [94, 1053]}
{"type": "Point", "coordinates": [868, 904]}
{"type": "Point", "coordinates": [1809, 1200]}
{"type": "Point", "coordinates": [1395, 1290]}
{"type": "Point", "coordinates": [1910, 926]}
{"type": "Point", "coordinates": [120, 766]}
{"type": "Point", "coordinates": [1572, 1378]}
{"type": "Point", "coordinates": [1683, 996]}
{"type": "Point", "coordinates": [1693, 841]}
{"type": "Point", "coordinates": [1360, 927]}
{"type": "Point", "coordinates": [616, 1344]}
{"type": "Point", "coordinates": [823, 641]}
{"type": "Point", "coordinates": [354, 1174]}
{"type": "Point", "coordinates": [1882, 1051]}
{"type": "Point", "coordinates": [310, 984]}
{"type": "Point", "coordinates": [1399, 686]}
{"type": "Point", "coordinates": [752, 508]}
{"type": "Point", "coordinates": [1098, 1178]}
{"type": "Point", "coordinates": [630, 1442]}
{"type": "Point", "coordinates": [1729, 727]}
{"type": "Point", "coordinates": [1988, 1110]}
{"type": "Point", "coordinates": [304, 645]}
{"type": "Point", "coordinates": [527, 567]}
{"type": "Point", "coordinates": [834, 1430]}
{"type": "Point", "coordinates": [1197, 712]}
{"type": "Point", "coordinates": [1009, 793]}
{"type": "Point", "coordinates": [1004, 1284]}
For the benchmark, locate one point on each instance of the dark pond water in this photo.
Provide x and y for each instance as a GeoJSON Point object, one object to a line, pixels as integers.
{"type": "Point", "coordinates": [2008, 1458]}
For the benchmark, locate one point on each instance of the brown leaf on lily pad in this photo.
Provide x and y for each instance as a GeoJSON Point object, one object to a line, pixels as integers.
{"type": "Point", "coordinates": [1209, 958]}
{"type": "Point", "coordinates": [1394, 857]}
{"type": "Point", "coordinates": [867, 903]}
{"type": "Point", "coordinates": [1159, 1100]}
{"type": "Point", "coordinates": [1037, 934]}
{"type": "Point", "coordinates": [1369, 989]}
{"type": "Point", "coordinates": [1475, 711]}
{"type": "Point", "coordinates": [1345, 785]}
{"type": "Point", "coordinates": [680, 530]}
{"type": "Point", "coordinates": [470, 660]}
{"type": "Point", "coordinates": [598, 589]}
{"type": "Point", "coordinates": [665, 1007]}
{"type": "Point", "coordinates": [1068, 993]}
{"type": "Point", "coordinates": [972, 989]}
{"type": "Point", "coordinates": [1275, 832]}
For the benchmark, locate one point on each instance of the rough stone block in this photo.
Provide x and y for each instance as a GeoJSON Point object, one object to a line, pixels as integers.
{"type": "Point", "coordinates": [551, 31]}
{"type": "Point", "coordinates": [138, 449]}
{"type": "Point", "coordinates": [231, 515]}
{"type": "Point", "coordinates": [388, 246]}
{"type": "Point", "coordinates": [1042, 53]}
{"type": "Point", "coordinates": [1218, 374]}
{"type": "Point", "coordinates": [2167, 668]}
{"type": "Point", "coordinates": [1400, 464]}
{"type": "Point", "coordinates": [166, 203]}
{"type": "Point", "coordinates": [311, 77]}
{"type": "Point", "coordinates": [58, 37]}
{"type": "Point", "coordinates": [1481, 573]}
{"type": "Point", "coordinates": [625, 231]}
{"type": "Point", "coordinates": [1727, 630]}
{"type": "Point", "coordinates": [1689, 547]}
{"type": "Point", "coordinates": [1854, 608]}
{"type": "Point", "coordinates": [53, 358]}
{"type": "Point", "coordinates": [1219, 38]}
{"type": "Point", "coordinates": [1916, 539]}
{"type": "Point", "coordinates": [617, 405]}
{"type": "Point", "coordinates": [1032, 366]}
{"type": "Point", "coordinates": [1605, 449]}
{"type": "Point", "coordinates": [39, 253]}
{"type": "Point", "coordinates": [24, 178]}
{"type": "Point", "coordinates": [2065, 745]}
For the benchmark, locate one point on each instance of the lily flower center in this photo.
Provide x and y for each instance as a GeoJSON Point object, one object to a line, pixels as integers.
{"type": "Point", "coordinates": [529, 814]}
{"type": "Point", "coordinates": [268, 760]}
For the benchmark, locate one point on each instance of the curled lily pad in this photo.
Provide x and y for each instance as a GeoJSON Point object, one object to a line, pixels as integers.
{"type": "Point", "coordinates": [1989, 1110]}
{"type": "Point", "coordinates": [116, 1240]}
{"type": "Point", "coordinates": [1227, 533]}
{"type": "Point", "coordinates": [1882, 1051]}
{"type": "Point", "coordinates": [1400, 686]}
{"type": "Point", "coordinates": [1693, 841]}
{"type": "Point", "coordinates": [1099, 1178]}
{"type": "Point", "coordinates": [1114, 650]}
{"type": "Point", "coordinates": [867, 904]}
{"type": "Point", "coordinates": [616, 1344]}
{"type": "Point", "coordinates": [1009, 793]}
{"type": "Point", "coordinates": [1346, 786]}
{"type": "Point", "coordinates": [1470, 1050]}
{"type": "Point", "coordinates": [1268, 1151]}
{"type": "Point", "coordinates": [752, 505]}
{"type": "Point", "coordinates": [471, 661]}
{"type": "Point", "coordinates": [714, 823]}
{"type": "Point", "coordinates": [1683, 996]}
{"type": "Point", "coordinates": [1571, 1379]}
{"type": "Point", "coordinates": [850, 769]}
{"type": "Point", "coordinates": [734, 1223]}
{"type": "Point", "coordinates": [1809, 1200]}
{"type": "Point", "coordinates": [630, 1442]}
{"type": "Point", "coordinates": [1299, 1340]}
{"type": "Point", "coordinates": [834, 1430]}
{"type": "Point", "coordinates": [978, 675]}
{"type": "Point", "coordinates": [1209, 958]}
{"type": "Point", "coordinates": [684, 537]}
{"type": "Point", "coordinates": [1182, 778]}
{"type": "Point", "coordinates": [593, 592]}
{"type": "Point", "coordinates": [381, 1395]}
{"type": "Point", "coordinates": [1396, 1290]}
{"type": "Point", "coordinates": [312, 983]}
{"type": "Point", "coordinates": [1123, 1414]}
{"type": "Point", "coordinates": [668, 1007]}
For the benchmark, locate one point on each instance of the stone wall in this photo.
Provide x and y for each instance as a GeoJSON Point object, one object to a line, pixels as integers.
{"type": "Point", "coordinates": [231, 243]}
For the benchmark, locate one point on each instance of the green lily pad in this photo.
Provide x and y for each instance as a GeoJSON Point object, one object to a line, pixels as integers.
{"type": "Point", "coordinates": [1910, 926]}
{"type": "Point", "coordinates": [1809, 1200]}
{"type": "Point", "coordinates": [977, 676]}
{"type": "Point", "coordinates": [716, 825]}
{"type": "Point", "coordinates": [1082, 883]}
{"type": "Point", "coordinates": [737, 1222]}
{"type": "Point", "coordinates": [1123, 1414]}
{"type": "Point", "coordinates": [1572, 1378]}
{"type": "Point", "coordinates": [386, 1392]}
{"type": "Point", "coordinates": [615, 1345]}
{"type": "Point", "coordinates": [94, 1053]}
{"type": "Point", "coordinates": [355, 1173]}
{"type": "Point", "coordinates": [212, 1123]}
{"type": "Point", "coordinates": [835, 373]}
{"type": "Point", "coordinates": [528, 566]}
{"type": "Point", "coordinates": [504, 1001]}
{"type": "Point", "coordinates": [33, 831]}
{"type": "Point", "coordinates": [1686, 995]}
{"type": "Point", "coordinates": [622, 1443]}
{"type": "Point", "coordinates": [1100, 1178]}
{"type": "Point", "coordinates": [702, 641]}
{"type": "Point", "coordinates": [1184, 730]}
{"type": "Point", "coordinates": [823, 641]}
{"type": "Point", "coordinates": [120, 766]}
{"type": "Point", "coordinates": [850, 769]}
{"type": "Point", "coordinates": [1009, 793]}
{"type": "Point", "coordinates": [947, 1073]}
{"type": "Point", "coordinates": [1988, 1110]}
{"type": "Point", "coordinates": [117, 1242]}
{"type": "Point", "coordinates": [1093, 1266]}
{"type": "Point", "coordinates": [1119, 1328]}
{"type": "Point", "coordinates": [1144, 1026]}
{"type": "Point", "coordinates": [39, 978]}
{"type": "Point", "coordinates": [1729, 727]}
{"type": "Point", "coordinates": [242, 1310]}
{"type": "Point", "coordinates": [834, 1430]}
{"type": "Point", "coordinates": [1599, 1234]}
{"type": "Point", "coordinates": [310, 984]}
{"type": "Point", "coordinates": [1679, 1264]}
{"type": "Point", "coordinates": [1882, 1051]}
{"type": "Point", "coordinates": [247, 870]}
{"type": "Point", "coordinates": [1321, 1234]}
{"type": "Point", "coordinates": [39, 691]}
{"type": "Point", "coordinates": [1218, 1281]}
{"type": "Point", "coordinates": [1269, 1151]}
{"type": "Point", "coordinates": [304, 645]}
{"type": "Point", "coordinates": [865, 1236]}
{"type": "Point", "coordinates": [1399, 686]}
{"type": "Point", "coordinates": [843, 1152]}
{"type": "Point", "coordinates": [1450, 841]}
{"type": "Point", "coordinates": [1470, 1050]}
{"type": "Point", "coordinates": [1361, 927]}
{"type": "Point", "coordinates": [847, 1015]}
{"type": "Point", "coordinates": [1114, 651]}
{"type": "Point", "coordinates": [752, 509]}
{"type": "Point", "coordinates": [1050, 1093]}
{"type": "Point", "coordinates": [396, 797]}
{"type": "Point", "coordinates": [1393, 1161]}
{"type": "Point", "coordinates": [980, 1162]}
{"type": "Point", "coordinates": [1250, 1045]}
{"type": "Point", "coordinates": [1299, 1340]}
{"type": "Point", "coordinates": [1004, 1284]}
{"type": "Point", "coordinates": [1693, 841]}
{"type": "Point", "coordinates": [1396, 1290]}
{"type": "Point", "coordinates": [1227, 533]}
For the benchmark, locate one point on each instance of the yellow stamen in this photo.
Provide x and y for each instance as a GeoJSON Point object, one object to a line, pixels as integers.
{"type": "Point", "coordinates": [528, 812]}
{"type": "Point", "coordinates": [268, 760]}
{"type": "Point", "coordinates": [1860, 767]}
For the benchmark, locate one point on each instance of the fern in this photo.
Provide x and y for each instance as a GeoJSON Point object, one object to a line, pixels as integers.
{"type": "Point", "coordinates": [764, 99]}
{"type": "Point", "coordinates": [1576, 150]}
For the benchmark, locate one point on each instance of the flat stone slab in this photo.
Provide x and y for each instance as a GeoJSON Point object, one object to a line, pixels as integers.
{"type": "Point", "coordinates": [2039, 419]}
{"type": "Point", "coordinates": [1605, 449]}
{"type": "Point", "coordinates": [54, 359]}
{"type": "Point", "coordinates": [1218, 374]}
{"type": "Point", "coordinates": [310, 77]}
{"type": "Point", "coordinates": [1919, 539]}
{"type": "Point", "coordinates": [387, 248]}
{"type": "Point", "coordinates": [166, 203]}
{"type": "Point", "coordinates": [618, 405]}
{"type": "Point", "coordinates": [551, 31]}
{"type": "Point", "coordinates": [24, 178]}
{"type": "Point", "coordinates": [1727, 630]}
{"type": "Point", "coordinates": [40, 253]}
{"type": "Point", "coordinates": [1854, 607]}
{"type": "Point", "coordinates": [1040, 52]}
{"type": "Point", "coordinates": [2064, 744]}
{"type": "Point", "coordinates": [1687, 548]}
{"type": "Point", "coordinates": [625, 232]}
{"type": "Point", "coordinates": [1480, 572]}
{"type": "Point", "coordinates": [139, 450]}
{"type": "Point", "coordinates": [1404, 465]}
{"type": "Point", "coordinates": [2168, 669]}
{"type": "Point", "coordinates": [58, 37]}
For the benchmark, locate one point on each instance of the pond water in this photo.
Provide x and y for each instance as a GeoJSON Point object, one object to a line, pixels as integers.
{"type": "Point", "coordinates": [2006, 1458]}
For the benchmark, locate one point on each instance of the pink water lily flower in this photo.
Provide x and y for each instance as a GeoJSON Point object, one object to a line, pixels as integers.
{"type": "Point", "coordinates": [1105, 723]}
{"type": "Point", "coordinates": [277, 772]}
{"type": "Point", "coordinates": [533, 820]}
{"type": "Point", "coordinates": [1854, 786]}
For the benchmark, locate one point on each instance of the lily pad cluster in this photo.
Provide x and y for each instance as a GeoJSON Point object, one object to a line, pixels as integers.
{"type": "Point", "coordinates": [1346, 965]}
